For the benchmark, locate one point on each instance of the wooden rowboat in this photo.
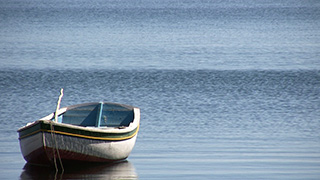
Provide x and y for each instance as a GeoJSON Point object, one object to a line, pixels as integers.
{"type": "Point", "coordinates": [90, 132]}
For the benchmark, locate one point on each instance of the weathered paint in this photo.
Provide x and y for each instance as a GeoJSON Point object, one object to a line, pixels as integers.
{"type": "Point", "coordinates": [38, 149]}
{"type": "Point", "coordinates": [102, 134]}
{"type": "Point", "coordinates": [76, 142]}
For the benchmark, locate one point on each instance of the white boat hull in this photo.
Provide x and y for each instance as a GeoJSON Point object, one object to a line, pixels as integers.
{"type": "Point", "coordinates": [46, 141]}
{"type": "Point", "coordinates": [41, 148]}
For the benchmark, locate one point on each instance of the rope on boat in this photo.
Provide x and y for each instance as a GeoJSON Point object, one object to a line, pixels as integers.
{"type": "Point", "coordinates": [55, 146]}
{"type": "Point", "coordinates": [54, 153]}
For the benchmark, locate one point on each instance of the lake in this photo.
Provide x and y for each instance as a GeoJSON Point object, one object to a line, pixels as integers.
{"type": "Point", "coordinates": [227, 89]}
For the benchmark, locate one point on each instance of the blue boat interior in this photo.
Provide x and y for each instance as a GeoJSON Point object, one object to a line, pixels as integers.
{"type": "Point", "coordinates": [98, 115]}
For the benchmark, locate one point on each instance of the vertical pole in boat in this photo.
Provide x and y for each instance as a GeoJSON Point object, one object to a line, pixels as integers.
{"type": "Point", "coordinates": [58, 106]}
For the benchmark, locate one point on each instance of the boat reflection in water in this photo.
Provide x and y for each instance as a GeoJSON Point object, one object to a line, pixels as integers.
{"type": "Point", "coordinates": [117, 170]}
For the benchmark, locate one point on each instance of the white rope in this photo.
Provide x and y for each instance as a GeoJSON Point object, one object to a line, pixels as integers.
{"type": "Point", "coordinates": [55, 149]}
{"type": "Point", "coordinates": [54, 140]}
{"type": "Point", "coordinates": [54, 153]}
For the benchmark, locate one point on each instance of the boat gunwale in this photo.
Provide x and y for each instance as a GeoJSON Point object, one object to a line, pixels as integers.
{"type": "Point", "coordinates": [101, 133]}
{"type": "Point", "coordinates": [116, 130]}
{"type": "Point", "coordinates": [65, 109]}
{"type": "Point", "coordinates": [129, 107]}
{"type": "Point", "coordinates": [121, 134]}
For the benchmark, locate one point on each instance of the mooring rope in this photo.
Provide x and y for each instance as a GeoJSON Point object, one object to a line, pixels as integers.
{"type": "Point", "coordinates": [55, 148]}
{"type": "Point", "coordinates": [54, 140]}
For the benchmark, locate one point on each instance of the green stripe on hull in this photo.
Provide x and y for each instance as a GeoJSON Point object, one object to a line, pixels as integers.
{"type": "Point", "coordinates": [42, 126]}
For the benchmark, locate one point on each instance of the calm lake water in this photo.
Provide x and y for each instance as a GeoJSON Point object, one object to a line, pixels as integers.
{"type": "Point", "coordinates": [227, 89]}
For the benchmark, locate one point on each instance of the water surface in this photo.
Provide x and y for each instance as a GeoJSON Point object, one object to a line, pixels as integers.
{"type": "Point", "coordinates": [227, 89]}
